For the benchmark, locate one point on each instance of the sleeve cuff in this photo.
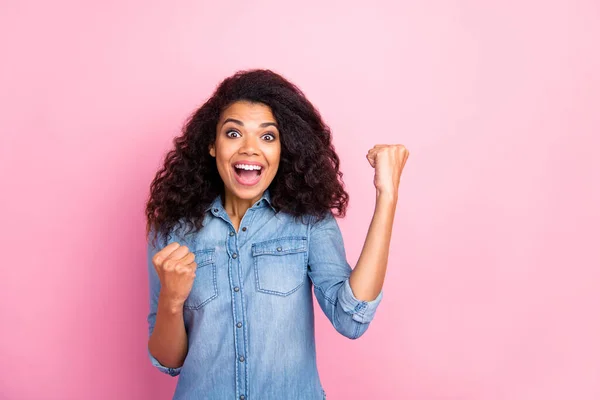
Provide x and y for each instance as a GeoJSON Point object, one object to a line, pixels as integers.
{"type": "Point", "coordinates": [162, 368]}
{"type": "Point", "coordinates": [360, 310]}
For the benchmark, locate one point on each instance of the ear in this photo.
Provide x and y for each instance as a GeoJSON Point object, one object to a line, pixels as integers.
{"type": "Point", "coordinates": [211, 150]}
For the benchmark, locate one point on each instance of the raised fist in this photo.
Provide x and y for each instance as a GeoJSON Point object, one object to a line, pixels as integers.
{"type": "Point", "coordinates": [176, 270]}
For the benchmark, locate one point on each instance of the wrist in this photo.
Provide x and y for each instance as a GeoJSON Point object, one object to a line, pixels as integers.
{"type": "Point", "coordinates": [169, 305]}
{"type": "Point", "coordinates": [389, 196]}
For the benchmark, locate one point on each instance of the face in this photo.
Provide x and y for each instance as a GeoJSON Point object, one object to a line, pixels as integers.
{"type": "Point", "coordinates": [247, 149]}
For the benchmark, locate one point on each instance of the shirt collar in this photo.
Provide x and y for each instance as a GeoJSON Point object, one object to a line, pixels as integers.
{"type": "Point", "coordinates": [265, 200]}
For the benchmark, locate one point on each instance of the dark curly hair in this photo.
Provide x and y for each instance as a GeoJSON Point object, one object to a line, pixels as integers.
{"type": "Point", "coordinates": [308, 181]}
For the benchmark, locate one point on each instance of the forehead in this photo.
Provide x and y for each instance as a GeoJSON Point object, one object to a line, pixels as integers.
{"type": "Point", "coordinates": [247, 111]}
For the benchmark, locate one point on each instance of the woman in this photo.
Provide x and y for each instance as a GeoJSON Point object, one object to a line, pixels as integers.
{"type": "Point", "coordinates": [241, 224]}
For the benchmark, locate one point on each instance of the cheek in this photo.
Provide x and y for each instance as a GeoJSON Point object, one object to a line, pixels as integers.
{"type": "Point", "coordinates": [222, 170]}
{"type": "Point", "coordinates": [274, 156]}
{"type": "Point", "coordinates": [223, 153]}
{"type": "Point", "coordinates": [221, 159]}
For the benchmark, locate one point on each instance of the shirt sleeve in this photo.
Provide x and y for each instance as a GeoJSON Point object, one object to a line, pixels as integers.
{"type": "Point", "coordinates": [329, 271]}
{"type": "Point", "coordinates": [154, 283]}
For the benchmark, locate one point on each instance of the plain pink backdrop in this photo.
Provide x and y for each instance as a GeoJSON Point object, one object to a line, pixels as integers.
{"type": "Point", "coordinates": [493, 284]}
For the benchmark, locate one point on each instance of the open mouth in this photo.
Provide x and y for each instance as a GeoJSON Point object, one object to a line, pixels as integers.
{"type": "Point", "coordinates": [247, 174]}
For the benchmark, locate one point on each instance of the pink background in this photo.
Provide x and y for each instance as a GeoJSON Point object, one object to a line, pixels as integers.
{"type": "Point", "coordinates": [492, 289]}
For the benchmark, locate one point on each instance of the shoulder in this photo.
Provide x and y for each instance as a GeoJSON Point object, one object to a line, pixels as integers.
{"type": "Point", "coordinates": [325, 219]}
{"type": "Point", "coordinates": [307, 220]}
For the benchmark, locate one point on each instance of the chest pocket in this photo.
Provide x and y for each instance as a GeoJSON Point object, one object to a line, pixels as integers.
{"type": "Point", "coordinates": [204, 288]}
{"type": "Point", "coordinates": [280, 265]}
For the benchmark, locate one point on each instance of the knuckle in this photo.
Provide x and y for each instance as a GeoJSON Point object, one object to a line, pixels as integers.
{"type": "Point", "coordinates": [167, 265]}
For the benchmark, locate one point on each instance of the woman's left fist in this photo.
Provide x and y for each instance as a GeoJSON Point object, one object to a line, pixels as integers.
{"type": "Point", "coordinates": [388, 161]}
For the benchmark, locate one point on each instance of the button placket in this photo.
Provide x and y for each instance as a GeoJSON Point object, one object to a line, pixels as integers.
{"type": "Point", "coordinates": [235, 270]}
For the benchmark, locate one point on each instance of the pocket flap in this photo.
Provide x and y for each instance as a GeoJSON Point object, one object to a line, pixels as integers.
{"type": "Point", "coordinates": [203, 257]}
{"type": "Point", "coordinates": [281, 246]}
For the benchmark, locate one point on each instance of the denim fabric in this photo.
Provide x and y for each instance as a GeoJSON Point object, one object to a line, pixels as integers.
{"type": "Point", "coordinates": [250, 316]}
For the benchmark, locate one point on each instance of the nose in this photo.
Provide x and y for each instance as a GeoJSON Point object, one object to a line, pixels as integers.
{"type": "Point", "coordinates": [249, 146]}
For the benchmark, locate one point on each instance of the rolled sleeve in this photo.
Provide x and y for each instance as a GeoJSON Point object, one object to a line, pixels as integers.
{"type": "Point", "coordinates": [162, 368]}
{"type": "Point", "coordinates": [154, 290]}
{"type": "Point", "coordinates": [361, 311]}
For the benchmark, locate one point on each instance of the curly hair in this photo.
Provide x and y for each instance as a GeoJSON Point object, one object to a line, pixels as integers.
{"type": "Point", "coordinates": [308, 181]}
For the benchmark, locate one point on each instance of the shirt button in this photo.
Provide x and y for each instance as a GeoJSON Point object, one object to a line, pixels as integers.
{"type": "Point", "coordinates": [231, 233]}
{"type": "Point", "coordinates": [239, 325]}
{"type": "Point", "coordinates": [244, 229]}
{"type": "Point", "coordinates": [216, 210]}
{"type": "Point", "coordinates": [242, 358]}
{"type": "Point", "coordinates": [236, 289]}
{"type": "Point", "coordinates": [279, 249]}
{"type": "Point", "coordinates": [242, 397]}
{"type": "Point", "coordinates": [234, 255]}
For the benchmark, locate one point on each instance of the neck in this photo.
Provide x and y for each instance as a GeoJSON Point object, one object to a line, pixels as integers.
{"type": "Point", "coordinates": [235, 206]}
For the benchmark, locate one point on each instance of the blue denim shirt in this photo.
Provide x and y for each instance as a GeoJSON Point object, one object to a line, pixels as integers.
{"type": "Point", "coordinates": [249, 316]}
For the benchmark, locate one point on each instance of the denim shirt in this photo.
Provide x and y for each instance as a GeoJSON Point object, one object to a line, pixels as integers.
{"type": "Point", "coordinates": [249, 316]}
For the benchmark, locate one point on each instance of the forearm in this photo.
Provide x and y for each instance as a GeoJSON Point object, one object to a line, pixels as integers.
{"type": "Point", "coordinates": [366, 280]}
{"type": "Point", "coordinates": [168, 342]}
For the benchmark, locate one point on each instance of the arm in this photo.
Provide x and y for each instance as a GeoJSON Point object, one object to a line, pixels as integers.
{"type": "Point", "coordinates": [167, 344]}
{"type": "Point", "coordinates": [350, 297]}
{"type": "Point", "coordinates": [168, 340]}
{"type": "Point", "coordinates": [367, 278]}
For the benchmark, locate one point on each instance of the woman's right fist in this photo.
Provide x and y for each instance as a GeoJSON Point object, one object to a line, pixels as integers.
{"type": "Point", "coordinates": [176, 270]}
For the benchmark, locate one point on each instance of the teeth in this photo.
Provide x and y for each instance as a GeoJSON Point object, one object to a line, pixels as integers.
{"type": "Point", "coordinates": [248, 167]}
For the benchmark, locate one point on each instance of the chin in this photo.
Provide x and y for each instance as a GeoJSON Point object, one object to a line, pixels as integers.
{"type": "Point", "coordinates": [246, 193]}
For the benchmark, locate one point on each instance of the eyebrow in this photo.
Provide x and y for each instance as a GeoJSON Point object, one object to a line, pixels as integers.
{"type": "Point", "coordinates": [240, 123]}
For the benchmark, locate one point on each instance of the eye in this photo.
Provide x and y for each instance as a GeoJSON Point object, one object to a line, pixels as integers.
{"type": "Point", "coordinates": [232, 132]}
{"type": "Point", "coordinates": [269, 137]}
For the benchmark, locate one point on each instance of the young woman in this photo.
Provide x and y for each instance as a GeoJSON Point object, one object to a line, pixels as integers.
{"type": "Point", "coordinates": [241, 227]}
